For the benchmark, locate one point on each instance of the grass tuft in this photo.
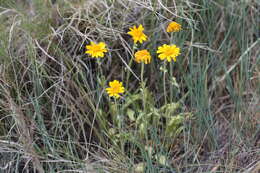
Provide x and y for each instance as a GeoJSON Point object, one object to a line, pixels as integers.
{"type": "Point", "coordinates": [198, 114]}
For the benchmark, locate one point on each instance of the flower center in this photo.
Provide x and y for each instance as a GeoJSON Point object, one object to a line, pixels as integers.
{"type": "Point", "coordinates": [170, 52]}
{"type": "Point", "coordinates": [138, 34]}
{"type": "Point", "coordinates": [96, 48]}
{"type": "Point", "coordinates": [115, 89]}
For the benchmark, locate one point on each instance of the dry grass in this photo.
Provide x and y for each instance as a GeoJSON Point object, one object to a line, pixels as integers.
{"type": "Point", "coordinates": [55, 115]}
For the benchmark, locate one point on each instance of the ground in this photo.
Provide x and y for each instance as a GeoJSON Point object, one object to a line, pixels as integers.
{"type": "Point", "coordinates": [197, 114]}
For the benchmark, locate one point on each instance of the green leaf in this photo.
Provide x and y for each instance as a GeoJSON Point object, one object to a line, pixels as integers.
{"type": "Point", "coordinates": [130, 113]}
{"type": "Point", "coordinates": [174, 124]}
{"type": "Point", "coordinates": [142, 129]}
{"type": "Point", "coordinates": [131, 100]}
{"type": "Point", "coordinates": [112, 131]}
{"type": "Point", "coordinates": [161, 159]}
{"type": "Point", "coordinates": [174, 82]}
{"type": "Point", "coordinates": [149, 150]}
{"type": "Point", "coordinates": [140, 117]}
{"type": "Point", "coordinates": [163, 69]}
{"type": "Point", "coordinates": [140, 167]}
{"type": "Point", "coordinates": [168, 109]}
{"type": "Point", "coordinates": [113, 109]}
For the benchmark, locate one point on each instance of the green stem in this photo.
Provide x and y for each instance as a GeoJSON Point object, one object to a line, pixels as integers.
{"type": "Point", "coordinates": [143, 86]}
{"type": "Point", "coordinates": [142, 73]}
{"type": "Point", "coordinates": [117, 120]}
{"type": "Point", "coordinates": [119, 123]}
{"type": "Point", "coordinates": [171, 72]}
{"type": "Point", "coordinates": [100, 67]}
{"type": "Point", "coordinates": [171, 86]}
{"type": "Point", "coordinates": [164, 82]}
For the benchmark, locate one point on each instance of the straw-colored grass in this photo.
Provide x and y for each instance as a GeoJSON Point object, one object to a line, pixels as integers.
{"type": "Point", "coordinates": [198, 114]}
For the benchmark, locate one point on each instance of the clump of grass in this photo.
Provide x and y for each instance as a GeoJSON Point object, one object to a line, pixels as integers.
{"type": "Point", "coordinates": [197, 114]}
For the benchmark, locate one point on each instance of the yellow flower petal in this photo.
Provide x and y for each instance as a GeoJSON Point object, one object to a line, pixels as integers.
{"type": "Point", "coordinates": [137, 34]}
{"type": "Point", "coordinates": [168, 52]}
{"type": "Point", "coordinates": [115, 89]}
{"type": "Point", "coordinates": [143, 56]}
{"type": "Point", "coordinates": [96, 50]}
{"type": "Point", "coordinates": [173, 27]}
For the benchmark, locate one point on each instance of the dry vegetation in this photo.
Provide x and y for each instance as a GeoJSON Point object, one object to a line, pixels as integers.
{"type": "Point", "coordinates": [55, 115]}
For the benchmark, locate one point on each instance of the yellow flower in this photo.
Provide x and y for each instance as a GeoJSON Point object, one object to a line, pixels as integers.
{"type": "Point", "coordinates": [143, 56]}
{"type": "Point", "coordinates": [115, 89]}
{"type": "Point", "coordinates": [137, 34]}
{"type": "Point", "coordinates": [173, 27]}
{"type": "Point", "coordinates": [169, 52]}
{"type": "Point", "coordinates": [96, 50]}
